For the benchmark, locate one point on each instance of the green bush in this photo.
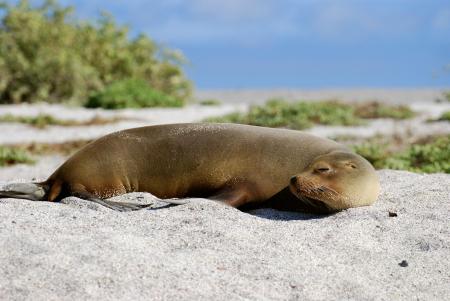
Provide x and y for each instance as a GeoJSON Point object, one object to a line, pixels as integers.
{"type": "Point", "coordinates": [376, 109]}
{"type": "Point", "coordinates": [447, 96]}
{"type": "Point", "coordinates": [45, 54]}
{"type": "Point", "coordinates": [297, 115]}
{"type": "Point", "coordinates": [210, 102]}
{"type": "Point", "coordinates": [43, 120]}
{"type": "Point", "coordinates": [39, 121]}
{"type": "Point", "coordinates": [131, 93]}
{"type": "Point", "coordinates": [432, 157]}
{"type": "Point", "coordinates": [11, 155]}
{"type": "Point", "coordinates": [429, 157]}
{"type": "Point", "coordinates": [375, 153]}
{"type": "Point", "coordinates": [445, 116]}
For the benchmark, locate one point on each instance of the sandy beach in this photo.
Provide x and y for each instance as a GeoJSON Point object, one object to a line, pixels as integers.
{"type": "Point", "coordinates": [204, 251]}
{"type": "Point", "coordinates": [397, 249]}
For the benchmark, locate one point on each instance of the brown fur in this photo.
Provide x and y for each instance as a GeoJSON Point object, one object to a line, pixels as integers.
{"type": "Point", "coordinates": [236, 164]}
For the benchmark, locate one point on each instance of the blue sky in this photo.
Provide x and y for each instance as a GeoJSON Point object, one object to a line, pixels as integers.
{"type": "Point", "coordinates": [296, 43]}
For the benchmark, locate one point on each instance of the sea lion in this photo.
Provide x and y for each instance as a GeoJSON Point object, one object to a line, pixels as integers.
{"type": "Point", "coordinates": [235, 164]}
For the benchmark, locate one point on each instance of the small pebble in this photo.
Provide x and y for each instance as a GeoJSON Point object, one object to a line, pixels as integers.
{"type": "Point", "coordinates": [403, 264]}
{"type": "Point", "coordinates": [392, 214]}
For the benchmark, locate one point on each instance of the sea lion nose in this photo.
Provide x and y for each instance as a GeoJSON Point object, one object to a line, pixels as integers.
{"type": "Point", "coordinates": [294, 180]}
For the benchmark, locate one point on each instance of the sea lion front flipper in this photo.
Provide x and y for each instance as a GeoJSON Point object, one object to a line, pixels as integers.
{"type": "Point", "coordinates": [235, 197]}
{"type": "Point", "coordinates": [123, 206]}
{"type": "Point", "coordinates": [118, 206]}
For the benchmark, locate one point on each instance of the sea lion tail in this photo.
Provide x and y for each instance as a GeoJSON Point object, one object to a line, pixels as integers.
{"type": "Point", "coordinates": [28, 191]}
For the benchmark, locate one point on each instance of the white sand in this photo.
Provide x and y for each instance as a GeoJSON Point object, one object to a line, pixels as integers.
{"type": "Point", "coordinates": [206, 251]}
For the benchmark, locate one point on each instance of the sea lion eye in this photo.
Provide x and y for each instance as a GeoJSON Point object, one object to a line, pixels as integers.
{"type": "Point", "coordinates": [322, 169]}
{"type": "Point", "coordinates": [352, 165]}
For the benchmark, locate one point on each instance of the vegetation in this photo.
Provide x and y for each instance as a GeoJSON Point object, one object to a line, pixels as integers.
{"type": "Point", "coordinates": [39, 121]}
{"type": "Point", "coordinates": [65, 149]}
{"type": "Point", "coordinates": [44, 120]}
{"type": "Point", "coordinates": [210, 102]}
{"type": "Point", "coordinates": [13, 155]}
{"type": "Point", "coordinates": [46, 54]}
{"type": "Point", "coordinates": [302, 115]}
{"type": "Point", "coordinates": [445, 116]}
{"type": "Point", "coordinates": [447, 96]}
{"type": "Point", "coordinates": [380, 110]}
{"type": "Point", "coordinates": [298, 115]}
{"type": "Point", "coordinates": [131, 93]}
{"type": "Point", "coordinates": [23, 153]}
{"type": "Point", "coordinates": [426, 156]}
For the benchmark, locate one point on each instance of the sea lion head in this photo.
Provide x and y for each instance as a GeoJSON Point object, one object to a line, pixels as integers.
{"type": "Point", "coordinates": [336, 181]}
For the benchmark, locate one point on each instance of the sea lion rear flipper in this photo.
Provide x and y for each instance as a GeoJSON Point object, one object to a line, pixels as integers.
{"type": "Point", "coordinates": [28, 191]}
{"type": "Point", "coordinates": [118, 206]}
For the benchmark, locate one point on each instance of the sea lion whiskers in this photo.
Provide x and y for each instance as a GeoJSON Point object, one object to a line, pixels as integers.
{"type": "Point", "coordinates": [315, 193]}
{"type": "Point", "coordinates": [314, 204]}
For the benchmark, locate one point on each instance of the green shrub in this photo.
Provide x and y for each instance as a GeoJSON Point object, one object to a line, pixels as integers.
{"type": "Point", "coordinates": [43, 120]}
{"type": "Point", "coordinates": [210, 102]}
{"type": "Point", "coordinates": [445, 116]}
{"type": "Point", "coordinates": [40, 121]}
{"type": "Point", "coordinates": [375, 153]}
{"type": "Point", "coordinates": [297, 115]}
{"type": "Point", "coordinates": [11, 155]}
{"type": "Point", "coordinates": [429, 157]}
{"type": "Point", "coordinates": [447, 96]}
{"type": "Point", "coordinates": [131, 93]}
{"type": "Point", "coordinates": [44, 149]}
{"type": "Point", "coordinates": [380, 110]}
{"type": "Point", "coordinates": [45, 54]}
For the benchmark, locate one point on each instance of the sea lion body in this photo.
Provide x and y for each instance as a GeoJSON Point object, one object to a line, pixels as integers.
{"type": "Point", "coordinates": [184, 160]}
{"type": "Point", "coordinates": [236, 164]}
